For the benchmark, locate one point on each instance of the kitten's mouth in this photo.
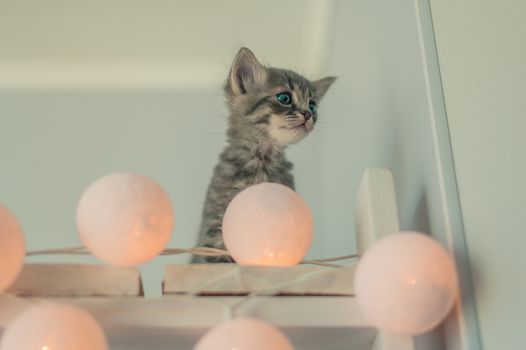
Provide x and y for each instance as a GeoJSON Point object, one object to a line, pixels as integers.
{"type": "Point", "coordinates": [299, 127]}
{"type": "Point", "coordinates": [303, 127]}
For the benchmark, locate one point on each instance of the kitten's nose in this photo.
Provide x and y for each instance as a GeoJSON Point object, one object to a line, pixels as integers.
{"type": "Point", "coordinates": [307, 115]}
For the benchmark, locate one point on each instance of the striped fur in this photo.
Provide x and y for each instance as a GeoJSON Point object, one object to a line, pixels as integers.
{"type": "Point", "coordinates": [260, 127]}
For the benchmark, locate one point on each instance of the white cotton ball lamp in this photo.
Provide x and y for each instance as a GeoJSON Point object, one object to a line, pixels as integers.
{"type": "Point", "coordinates": [125, 219]}
{"type": "Point", "coordinates": [406, 283]}
{"type": "Point", "coordinates": [244, 334]}
{"type": "Point", "coordinates": [53, 327]}
{"type": "Point", "coordinates": [12, 248]}
{"type": "Point", "coordinates": [268, 225]}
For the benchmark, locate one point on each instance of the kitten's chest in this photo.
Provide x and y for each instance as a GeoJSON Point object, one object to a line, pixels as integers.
{"type": "Point", "coordinates": [271, 171]}
{"type": "Point", "coordinates": [246, 168]}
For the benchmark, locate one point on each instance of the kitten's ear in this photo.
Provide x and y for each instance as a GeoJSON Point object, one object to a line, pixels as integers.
{"type": "Point", "coordinates": [246, 73]}
{"type": "Point", "coordinates": [321, 86]}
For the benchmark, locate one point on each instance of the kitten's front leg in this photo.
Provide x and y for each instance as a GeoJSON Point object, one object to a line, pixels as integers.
{"type": "Point", "coordinates": [213, 239]}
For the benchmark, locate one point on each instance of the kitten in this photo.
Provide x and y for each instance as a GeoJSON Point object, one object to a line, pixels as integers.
{"type": "Point", "coordinates": [270, 108]}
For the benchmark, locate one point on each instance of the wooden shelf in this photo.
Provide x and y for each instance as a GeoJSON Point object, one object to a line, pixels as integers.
{"type": "Point", "coordinates": [313, 305]}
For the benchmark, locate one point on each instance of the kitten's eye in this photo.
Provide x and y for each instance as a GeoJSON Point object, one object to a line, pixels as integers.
{"type": "Point", "coordinates": [284, 98]}
{"type": "Point", "coordinates": [313, 107]}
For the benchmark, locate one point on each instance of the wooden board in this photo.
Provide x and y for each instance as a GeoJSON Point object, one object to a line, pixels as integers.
{"type": "Point", "coordinates": [233, 279]}
{"type": "Point", "coordinates": [77, 280]}
{"type": "Point", "coordinates": [376, 212]}
{"type": "Point", "coordinates": [377, 216]}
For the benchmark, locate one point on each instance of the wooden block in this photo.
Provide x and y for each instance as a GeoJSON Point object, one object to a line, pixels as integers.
{"type": "Point", "coordinates": [233, 279]}
{"type": "Point", "coordinates": [376, 212]}
{"type": "Point", "coordinates": [77, 280]}
{"type": "Point", "coordinates": [376, 216]}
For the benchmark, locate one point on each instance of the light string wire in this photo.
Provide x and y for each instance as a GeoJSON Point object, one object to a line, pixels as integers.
{"type": "Point", "coordinates": [201, 251]}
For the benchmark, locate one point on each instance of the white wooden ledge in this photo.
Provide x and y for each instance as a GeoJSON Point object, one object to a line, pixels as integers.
{"type": "Point", "coordinates": [77, 280]}
{"type": "Point", "coordinates": [376, 216]}
{"type": "Point", "coordinates": [233, 279]}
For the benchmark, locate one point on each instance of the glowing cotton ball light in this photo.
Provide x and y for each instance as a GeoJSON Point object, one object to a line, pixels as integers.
{"type": "Point", "coordinates": [125, 219]}
{"type": "Point", "coordinates": [406, 283]}
{"type": "Point", "coordinates": [53, 327]}
{"type": "Point", "coordinates": [244, 334]}
{"type": "Point", "coordinates": [12, 248]}
{"type": "Point", "coordinates": [267, 224]}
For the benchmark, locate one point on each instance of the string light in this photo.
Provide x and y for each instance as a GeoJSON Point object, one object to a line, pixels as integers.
{"type": "Point", "coordinates": [125, 219]}
{"type": "Point", "coordinates": [267, 224]}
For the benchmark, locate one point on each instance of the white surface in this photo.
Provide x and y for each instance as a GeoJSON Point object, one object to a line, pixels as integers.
{"type": "Point", "coordinates": [268, 225]}
{"type": "Point", "coordinates": [482, 51]}
{"type": "Point", "coordinates": [12, 248]}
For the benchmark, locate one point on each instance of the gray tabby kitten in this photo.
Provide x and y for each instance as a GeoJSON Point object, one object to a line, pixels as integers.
{"type": "Point", "coordinates": [270, 108]}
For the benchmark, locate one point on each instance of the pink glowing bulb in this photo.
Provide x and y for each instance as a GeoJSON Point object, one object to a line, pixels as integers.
{"type": "Point", "coordinates": [269, 225]}
{"type": "Point", "coordinates": [53, 327]}
{"type": "Point", "coordinates": [406, 283]}
{"type": "Point", "coordinates": [12, 248]}
{"type": "Point", "coordinates": [244, 334]}
{"type": "Point", "coordinates": [125, 219]}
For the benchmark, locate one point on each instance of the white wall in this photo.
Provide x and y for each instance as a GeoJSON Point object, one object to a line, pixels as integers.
{"type": "Point", "coordinates": [54, 144]}
{"type": "Point", "coordinates": [387, 111]}
{"type": "Point", "coordinates": [151, 43]}
{"type": "Point", "coordinates": [482, 53]}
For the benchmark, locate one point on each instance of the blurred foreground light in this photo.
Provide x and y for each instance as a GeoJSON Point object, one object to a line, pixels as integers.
{"type": "Point", "coordinates": [406, 283]}
{"type": "Point", "coordinates": [268, 225]}
{"type": "Point", "coordinates": [244, 334]}
{"type": "Point", "coordinates": [125, 219]}
{"type": "Point", "coordinates": [53, 327]}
